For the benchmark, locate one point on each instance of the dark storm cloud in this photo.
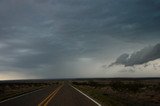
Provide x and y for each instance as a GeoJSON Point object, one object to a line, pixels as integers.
{"type": "Point", "coordinates": [35, 33]}
{"type": "Point", "coordinates": [141, 57]}
{"type": "Point", "coordinates": [130, 20]}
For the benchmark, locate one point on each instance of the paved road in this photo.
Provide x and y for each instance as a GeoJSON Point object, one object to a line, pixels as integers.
{"type": "Point", "coordinates": [62, 95]}
{"type": "Point", "coordinates": [31, 99]}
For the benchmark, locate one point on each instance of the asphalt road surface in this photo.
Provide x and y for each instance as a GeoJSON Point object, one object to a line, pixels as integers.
{"type": "Point", "coordinates": [62, 95]}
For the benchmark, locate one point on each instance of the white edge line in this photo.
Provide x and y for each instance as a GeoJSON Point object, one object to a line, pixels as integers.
{"type": "Point", "coordinates": [86, 95]}
{"type": "Point", "coordinates": [21, 95]}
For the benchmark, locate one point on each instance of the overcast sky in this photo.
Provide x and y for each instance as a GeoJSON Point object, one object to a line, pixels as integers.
{"type": "Point", "coordinates": [79, 38]}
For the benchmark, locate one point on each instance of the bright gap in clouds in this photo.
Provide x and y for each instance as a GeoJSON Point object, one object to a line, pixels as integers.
{"type": "Point", "coordinates": [15, 76]}
{"type": "Point", "coordinates": [149, 69]}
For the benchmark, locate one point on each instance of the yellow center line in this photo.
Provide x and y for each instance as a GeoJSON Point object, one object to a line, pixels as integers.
{"type": "Point", "coordinates": [46, 98]}
{"type": "Point", "coordinates": [49, 97]}
{"type": "Point", "coordinates": [52, 96]}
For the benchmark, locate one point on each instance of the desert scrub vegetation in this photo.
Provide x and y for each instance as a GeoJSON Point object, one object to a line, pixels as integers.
{"type": "Point", "coordinates": [127, 87]}
{"type": "Point", "coordinates": [133, 86]}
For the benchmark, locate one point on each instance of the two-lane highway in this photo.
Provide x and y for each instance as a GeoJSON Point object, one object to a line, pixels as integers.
{"type": "Point", "coordinates": [68, 96]}
{"type": "Point", "coordinates": [62, 95]}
